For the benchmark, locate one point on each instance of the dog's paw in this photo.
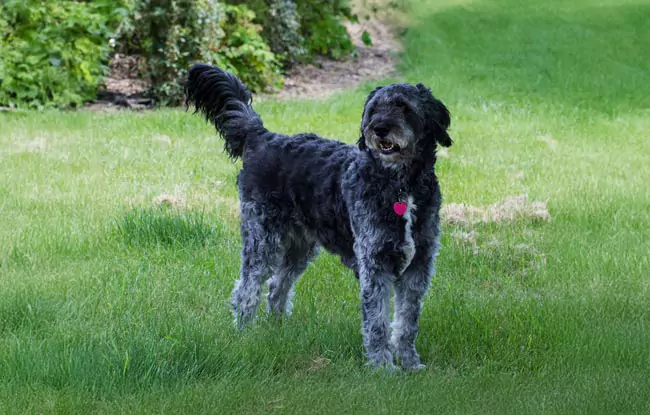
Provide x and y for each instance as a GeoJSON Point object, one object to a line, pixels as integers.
{"type": "Point", "coordinates": [414, 367]}
{"type": "Point", "coordinates": [409, 360]}
{"type": "Point", "coordinates": [381, 361]}
{"type": "Point", "coordinates": [242, 321]}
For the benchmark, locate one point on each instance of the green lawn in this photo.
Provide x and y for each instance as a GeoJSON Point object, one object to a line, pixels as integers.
{"type": "Point", "coordinates": [111, 304]}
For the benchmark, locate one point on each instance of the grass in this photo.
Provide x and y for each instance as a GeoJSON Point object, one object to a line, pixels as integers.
{"type": "Point", "coordinates": [111, 303]}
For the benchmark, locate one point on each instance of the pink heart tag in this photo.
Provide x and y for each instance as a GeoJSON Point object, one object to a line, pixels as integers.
{"type": "Point", "coordinates": [399, 208]}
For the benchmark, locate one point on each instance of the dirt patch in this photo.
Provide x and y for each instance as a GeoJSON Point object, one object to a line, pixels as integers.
{"type": "Point", "coordinates": [513, 208]}
{"type": "Point", "coordinates": [123, 86]}
{"type": "Point", "coordinates": [124, 77]}
{"type": "Point", "coordinates": [186, 197]}
{"type": "Point", "coordinates": [168, 201]}
{"type": "Point", "coordinates": [467, 237]}
{"type": "Point", "coordinates": [21, 145]}
{"type": "Point", "coordinates": [326, 76]}
{"type": "Point", "coordinates": [319, 363]}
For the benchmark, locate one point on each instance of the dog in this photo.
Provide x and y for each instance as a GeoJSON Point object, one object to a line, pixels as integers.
{"type": "Point", "coordinates": [375, 205]}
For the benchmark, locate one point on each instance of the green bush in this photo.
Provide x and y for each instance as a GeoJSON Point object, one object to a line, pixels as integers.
{"type": "Point", "coordinates": [170, 34]}
{"type": "Point", "coordinates": [283, 32]}
{"type": "Point", "coordinates": [320, 25]}
{"type": "Point", "coordinates": [297, 30]}
{"type": "Point", "coordinates": [280, 27]}
{"type": "Point", "coordinates": [246, 53]}
{"type": "Point", "coordinates": [173, 34]}
{"type": "Point", "coordinates": [56, 52]}
{"type": "Point", "coordinates": [3, 46]}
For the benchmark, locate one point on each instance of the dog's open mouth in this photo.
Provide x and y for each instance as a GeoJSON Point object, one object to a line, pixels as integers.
{"type": "Point", "coordinates": [387, 147]}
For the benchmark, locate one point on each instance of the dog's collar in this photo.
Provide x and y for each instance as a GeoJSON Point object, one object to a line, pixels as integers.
{"type": "Point", "coordinates": [402, 194]}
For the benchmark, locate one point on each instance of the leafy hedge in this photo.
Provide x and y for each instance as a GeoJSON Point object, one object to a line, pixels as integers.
{"type": "Point", "coordinates": [322, 29]}
{"type": "Point", "coordinates": [58, 51]}
{"type": "Point", "coordinates": [173, 34]}
{"type": "Point", "coordinates": [299, 29]}
{"type": "Point", "coordinates": [53, 53]}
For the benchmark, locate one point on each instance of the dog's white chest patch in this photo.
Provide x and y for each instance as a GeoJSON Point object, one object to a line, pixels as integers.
{"type": "Point", "coordinates": [409, 244]}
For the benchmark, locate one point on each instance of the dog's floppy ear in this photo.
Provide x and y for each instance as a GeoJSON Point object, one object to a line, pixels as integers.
{"type": "Point", "coordinates": [437, 118]}
{"type": "Point", "coordinates": [362, 140]}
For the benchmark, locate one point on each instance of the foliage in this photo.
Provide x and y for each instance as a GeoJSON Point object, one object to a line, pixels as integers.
{"type": "Point", "coordinates": [280, 23]}
{"type": "Point", "coordinates": [56, 52]}
{"type": "Point", "coordinates": [320, 25]}
{"type": "Point", "coordinates": [282, 31]}
{"type": "Point", "coordinates": [297, 30]}
{"type": "Point", "coordinates": [170, 34]}
{"type": "Point", "coordinates": [173, 34]}
{"type": "Point", "coordinates": [3, 46]}
{"type": "Point", "coordinates": [246, 53]}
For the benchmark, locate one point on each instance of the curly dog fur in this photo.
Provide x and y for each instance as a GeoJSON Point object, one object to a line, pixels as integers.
{"type": "Point", "coordinates": [302, 192]}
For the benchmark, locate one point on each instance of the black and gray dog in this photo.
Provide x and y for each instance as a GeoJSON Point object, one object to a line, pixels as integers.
{"type": "Point", "coordinates": [376, 205]}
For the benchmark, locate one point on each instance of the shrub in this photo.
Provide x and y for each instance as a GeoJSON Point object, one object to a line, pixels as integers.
{"type": "Point", "coordinates": [56, 52]}
{"type": "Point", "coordinates": [283, 31]}
{"type": "Point", "coordinates": [280, 27]}
{"type": "Point", "coordinates": [245, 51]}
{"type": "Point", "coordinates": [297, 30]}
{"type": "Point", "coordinates": [3, 47]}
{"type": "Point", "coordinates": [173, 34]}
{"type": "Point", "coordinates": [320, 25]}
{"type": "Point", "coordinates": [170, 34]}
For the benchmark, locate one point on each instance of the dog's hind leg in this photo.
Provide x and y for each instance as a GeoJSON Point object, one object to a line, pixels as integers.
{"type": "Point", "coordinates": [297, 255]}
{"type": "Point", "coordinates": [259, 256]}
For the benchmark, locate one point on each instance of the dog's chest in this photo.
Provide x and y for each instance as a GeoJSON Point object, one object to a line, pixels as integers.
{"type": "Point", "coordinates": [408, 244]}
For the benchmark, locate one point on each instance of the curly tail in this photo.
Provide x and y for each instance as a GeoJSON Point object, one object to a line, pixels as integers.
{"type": "Point", "coordinates": [225, 102]}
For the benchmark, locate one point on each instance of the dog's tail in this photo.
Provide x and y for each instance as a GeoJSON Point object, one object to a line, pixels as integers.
{"type": "Point", "coordinates": [225, 102]}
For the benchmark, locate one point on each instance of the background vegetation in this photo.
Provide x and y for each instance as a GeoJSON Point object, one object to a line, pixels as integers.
{"type": "Point", "coordinates": [112, 302]}
{"type": "Point", "coordinates": [56, 52]}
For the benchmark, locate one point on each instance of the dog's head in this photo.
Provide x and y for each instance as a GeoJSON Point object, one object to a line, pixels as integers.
{"type": "Point", "coordinates": [402, 122]}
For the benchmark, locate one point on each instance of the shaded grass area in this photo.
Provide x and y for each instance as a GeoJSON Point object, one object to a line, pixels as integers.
{"type": "Point", "coordinates": [111, 303]}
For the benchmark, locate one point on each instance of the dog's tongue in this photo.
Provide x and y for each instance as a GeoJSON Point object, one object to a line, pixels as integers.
{"type": "Point", "coordinates": [399, 208]}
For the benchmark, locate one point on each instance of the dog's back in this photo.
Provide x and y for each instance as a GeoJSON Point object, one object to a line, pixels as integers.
{"type": "Point", "coordinates": [295, 177]}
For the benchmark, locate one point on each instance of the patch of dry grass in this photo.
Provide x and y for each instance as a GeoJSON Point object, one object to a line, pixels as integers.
{"type": "Point", "coordinates": [512, 209]}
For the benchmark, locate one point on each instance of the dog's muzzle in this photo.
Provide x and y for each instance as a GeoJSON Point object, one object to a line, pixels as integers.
{"type": "Point", "coordinates": [390, 143]}
{"type": "Point", "coordinates": [388, 147]}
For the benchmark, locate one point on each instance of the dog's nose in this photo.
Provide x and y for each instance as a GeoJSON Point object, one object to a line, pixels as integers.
{"type": "Point", "coordinates": [381, 131]}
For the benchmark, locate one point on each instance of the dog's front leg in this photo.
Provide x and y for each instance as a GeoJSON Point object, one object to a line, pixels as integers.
{"type": "Point", "coordinates": [410, 289]}
{"type": "Point", "coordinates": [375, 308]}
